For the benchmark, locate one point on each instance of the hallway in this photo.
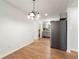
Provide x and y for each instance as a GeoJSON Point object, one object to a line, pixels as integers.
{"type": "Point", "coordinates": [40, 50]}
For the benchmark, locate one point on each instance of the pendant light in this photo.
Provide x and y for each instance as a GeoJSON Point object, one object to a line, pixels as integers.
{"type": "Point", "coordinates": [34, 14]}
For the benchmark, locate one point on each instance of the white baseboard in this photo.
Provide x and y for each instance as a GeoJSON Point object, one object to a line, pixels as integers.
{"type": "Point", "coordinates": [15, 50]}
{"type": "Point", "coordinates": [69, 51]}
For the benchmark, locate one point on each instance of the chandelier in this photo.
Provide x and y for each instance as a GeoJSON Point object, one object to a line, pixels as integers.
{"type": "Point", "coordinates": [34, 15]}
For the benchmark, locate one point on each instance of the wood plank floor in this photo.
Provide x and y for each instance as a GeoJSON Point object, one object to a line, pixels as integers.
{"type": "Point", "coordinates": [40, 50]}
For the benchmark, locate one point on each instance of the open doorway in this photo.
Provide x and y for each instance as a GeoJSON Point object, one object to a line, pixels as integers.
{"type": "Point", "coordinates": [46, 29]}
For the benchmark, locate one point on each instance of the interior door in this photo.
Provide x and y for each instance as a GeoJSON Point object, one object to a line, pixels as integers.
{"type": "Point", "coordinates": [59, 35]}
{"type": "Point", "coordinates": [63, 35]}
{"type": "Point", "coordinates": [55, 34]}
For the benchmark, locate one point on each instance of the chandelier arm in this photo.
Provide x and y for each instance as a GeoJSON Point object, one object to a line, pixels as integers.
{"type": "Point", "coordinates": [33, 5]}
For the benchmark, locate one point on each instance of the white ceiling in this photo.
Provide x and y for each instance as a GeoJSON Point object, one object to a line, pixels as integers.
{"type": "Point", "coordinates": [52, 7]}
{"type": "Point", "coordinates": [73, 3]}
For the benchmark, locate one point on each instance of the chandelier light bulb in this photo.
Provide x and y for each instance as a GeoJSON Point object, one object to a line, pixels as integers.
{"type": "Point", "coordinates": [38, 16]}
{"type": "Point", "coordinates": [32, 14]}
{"type": "Point", "coordinates": [28, 16]}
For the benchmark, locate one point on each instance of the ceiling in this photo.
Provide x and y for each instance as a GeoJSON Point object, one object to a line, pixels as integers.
{"type": "Point", "coordinates": [51, 7]}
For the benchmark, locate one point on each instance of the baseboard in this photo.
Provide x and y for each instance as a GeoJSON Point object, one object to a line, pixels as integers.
{"type": "Point", "coordinates": [74, 52]}
{"type": "Point", "coordinates": [6, 54]}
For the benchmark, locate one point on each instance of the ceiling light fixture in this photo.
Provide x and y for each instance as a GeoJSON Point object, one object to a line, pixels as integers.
{"type": "Point", "coordinates": [46, 14]}
{"type": "Point", "coordinates": [34, 15]}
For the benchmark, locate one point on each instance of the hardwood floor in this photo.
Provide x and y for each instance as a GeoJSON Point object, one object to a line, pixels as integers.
{"type": "Point", "coordinates": [40, 50]}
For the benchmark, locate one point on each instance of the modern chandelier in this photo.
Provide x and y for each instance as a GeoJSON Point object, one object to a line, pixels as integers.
{"type": "Point", "coordinates": [34, 14]}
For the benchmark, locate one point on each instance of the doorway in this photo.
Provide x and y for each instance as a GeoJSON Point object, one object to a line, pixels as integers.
{"type": "Point", "coordinates": [46, 33]}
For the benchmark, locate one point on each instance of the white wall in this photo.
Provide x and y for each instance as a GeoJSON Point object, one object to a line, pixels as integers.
{"type": "Point", "coordinates": [15, 29]}
{"type": "Point", "coordinates": [36, 29]}
{"type": "Point", "coordinates": [72, 28]}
